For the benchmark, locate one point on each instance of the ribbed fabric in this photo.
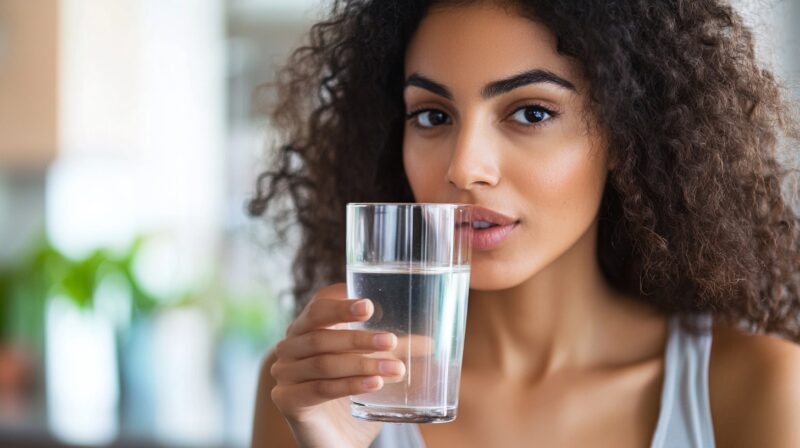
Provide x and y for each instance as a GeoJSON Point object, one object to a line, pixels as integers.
{"type": "Point", "coordinates": [684, 419]}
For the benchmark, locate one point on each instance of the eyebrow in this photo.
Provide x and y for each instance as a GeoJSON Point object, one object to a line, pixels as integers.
{"type": "Point", "coordinates": [494, 88]}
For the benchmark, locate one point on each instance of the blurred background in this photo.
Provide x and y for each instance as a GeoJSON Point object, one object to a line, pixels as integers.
{"type": "Point", "coordinates": [136, 296]}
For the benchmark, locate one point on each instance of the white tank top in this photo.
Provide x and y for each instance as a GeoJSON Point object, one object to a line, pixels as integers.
{"type": "Point", "coordinates": [684, 419]}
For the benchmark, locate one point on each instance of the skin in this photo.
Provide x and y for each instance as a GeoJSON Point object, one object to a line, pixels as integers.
{"type": "Point", "coordinates": [573, 362]}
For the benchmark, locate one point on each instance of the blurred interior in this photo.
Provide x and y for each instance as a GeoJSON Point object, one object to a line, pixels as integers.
{"type": "Point", "coordinates": [136, 296]}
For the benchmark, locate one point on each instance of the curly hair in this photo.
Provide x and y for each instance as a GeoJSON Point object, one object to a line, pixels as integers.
{"type": "Point", "coordinates": [693, 216]}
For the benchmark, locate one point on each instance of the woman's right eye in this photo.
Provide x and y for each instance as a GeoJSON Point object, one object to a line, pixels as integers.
{"type": "Point", "coordinates": [428, 118]}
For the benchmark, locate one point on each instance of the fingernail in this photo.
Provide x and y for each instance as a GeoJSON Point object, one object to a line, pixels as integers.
{"type": "Point", "coordinates": [359, 307]}
{"type": "Point", "coordinates": [372, 382]}
{"type": "Point", "coordinates": [390, 367]}
{"type": "Point", "coordinates": [383, 340]}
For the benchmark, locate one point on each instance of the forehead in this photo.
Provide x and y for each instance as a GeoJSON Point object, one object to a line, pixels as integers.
{"type": "Point", "coordinates": [467, 46]}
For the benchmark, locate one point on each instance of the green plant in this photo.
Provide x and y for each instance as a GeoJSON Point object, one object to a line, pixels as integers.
{"type": "Point", "coordinates": [44, 272]}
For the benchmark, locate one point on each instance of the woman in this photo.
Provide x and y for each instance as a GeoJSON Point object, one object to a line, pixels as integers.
{"type": "Point", "coordinates": [648, 294]}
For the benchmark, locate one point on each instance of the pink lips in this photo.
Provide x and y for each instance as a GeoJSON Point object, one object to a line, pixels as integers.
{"type": "Point", "coordinates": [486, 239]}
{"type": "Point", "coordinates": [490, 237]}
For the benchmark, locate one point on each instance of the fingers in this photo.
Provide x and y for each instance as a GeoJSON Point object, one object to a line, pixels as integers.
{"type": "Point", "coordinates": [355, 341]}
{"type": "Point", "coordinates": [323, 313]}
{"type": "Point", "coordinates": [312, 393]}
{"type": "Point", "coordinates": [379, 344]}
{"type": "Point", "coordinates": [412, 346]}
{"type": "Point", "coordinates": [334, 341]}
{"type": "Point", "coordinates": [330, 366]}
{"type": "Point", "coordinates": [320, 359]}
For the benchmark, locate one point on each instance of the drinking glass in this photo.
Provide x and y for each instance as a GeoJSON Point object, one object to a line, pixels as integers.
{"type": "Point", "coordinates": [412, 260]}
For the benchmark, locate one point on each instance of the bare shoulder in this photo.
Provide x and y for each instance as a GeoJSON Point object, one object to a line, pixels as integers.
{"type": "Point", "coordinates": [754, 388]}
{"type": "Point", "coordinates": [269, 427]}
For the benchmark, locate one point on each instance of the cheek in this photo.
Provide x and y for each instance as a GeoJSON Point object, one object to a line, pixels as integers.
{"type": "Point", "coordinates": [566, 184]}
{"type": "Point", "coordinates": [424, 170]}
{"type": "Point", "coordinates": [559, 194]}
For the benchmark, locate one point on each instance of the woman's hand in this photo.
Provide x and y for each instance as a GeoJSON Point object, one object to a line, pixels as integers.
{"type": "Point", "coordinates": [320, 364]}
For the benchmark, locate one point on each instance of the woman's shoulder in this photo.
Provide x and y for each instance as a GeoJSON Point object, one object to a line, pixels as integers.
{"type": "Point", "coordinates": [754, 389]}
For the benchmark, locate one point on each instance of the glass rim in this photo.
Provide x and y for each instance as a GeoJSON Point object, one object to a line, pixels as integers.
{"type": "Point", "coordinates": [408, 204]}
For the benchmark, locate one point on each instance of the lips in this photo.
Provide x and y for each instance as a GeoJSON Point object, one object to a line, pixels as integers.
{"type": "Point", "coordinates": [489, 228]}
{"type": "Point", "coordinates": [492, 217]}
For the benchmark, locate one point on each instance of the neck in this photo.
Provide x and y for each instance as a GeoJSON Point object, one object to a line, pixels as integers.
{"type": "Point", "coordinates": [566, 316]}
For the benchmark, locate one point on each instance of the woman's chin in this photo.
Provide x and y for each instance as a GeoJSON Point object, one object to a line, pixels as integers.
{"type": "Point", "coordinates": [496, 277]}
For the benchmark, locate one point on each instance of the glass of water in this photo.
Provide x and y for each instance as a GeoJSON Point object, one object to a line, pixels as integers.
{"type": "Point", "coordinates": [412, 261]}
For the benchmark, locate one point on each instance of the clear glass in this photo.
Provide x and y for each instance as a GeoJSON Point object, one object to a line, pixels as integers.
{"type": "Point", "coordinates": [412, 261]}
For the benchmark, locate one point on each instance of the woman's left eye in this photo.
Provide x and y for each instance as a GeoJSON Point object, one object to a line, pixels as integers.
{"type": "Point", "coordinates": [529, 115]}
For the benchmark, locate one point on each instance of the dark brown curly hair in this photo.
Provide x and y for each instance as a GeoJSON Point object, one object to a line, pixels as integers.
{"type": "Point", "coordinates": [693, 217]}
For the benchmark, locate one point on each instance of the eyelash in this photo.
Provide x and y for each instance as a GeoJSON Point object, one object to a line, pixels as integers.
{"type": "Point", "coordinates": [411, 116]}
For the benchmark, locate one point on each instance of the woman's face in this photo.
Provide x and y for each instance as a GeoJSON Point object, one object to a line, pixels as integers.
{"type": "Point", "coordinates": [524, 147]}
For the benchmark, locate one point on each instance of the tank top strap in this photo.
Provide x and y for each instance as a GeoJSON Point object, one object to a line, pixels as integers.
{"type": "Point", "coordinates": [399, 435]}
{"type": "Point", "coordinates": [685, 416]}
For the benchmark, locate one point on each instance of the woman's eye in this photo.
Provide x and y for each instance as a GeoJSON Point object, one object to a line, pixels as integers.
{"type": "Point", "coordinates": [428, 118]}
{"type": "Point", "coordinates": [532, 114]}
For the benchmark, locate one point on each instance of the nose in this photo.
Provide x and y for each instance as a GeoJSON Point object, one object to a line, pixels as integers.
{"type": "Point", "coordinates": [474, 160]}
